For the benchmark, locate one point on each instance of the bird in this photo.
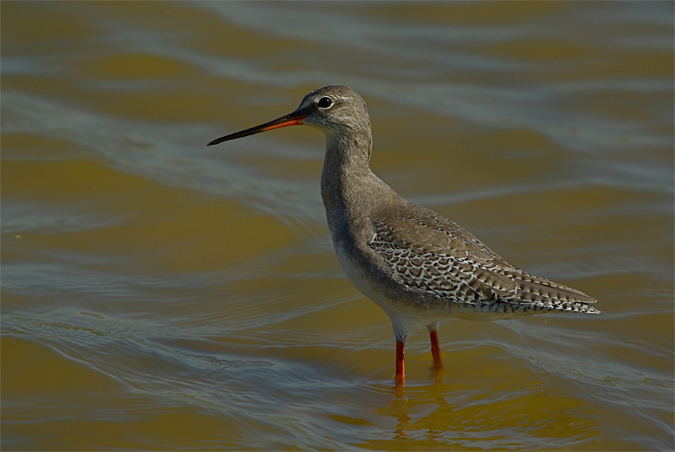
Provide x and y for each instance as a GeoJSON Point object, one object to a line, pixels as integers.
{"type": "Point", "coordinates": [418, 266]}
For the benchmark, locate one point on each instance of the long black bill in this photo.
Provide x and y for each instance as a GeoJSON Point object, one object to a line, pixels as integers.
{"type": "Point", "coordinates": [292, 119]}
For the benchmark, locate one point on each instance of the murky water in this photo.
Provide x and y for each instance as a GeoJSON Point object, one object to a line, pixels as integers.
{"type": "Point", "coordinates": [158, 294]}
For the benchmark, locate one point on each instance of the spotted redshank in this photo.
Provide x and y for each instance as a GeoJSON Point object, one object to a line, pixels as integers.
{"type": "Point", "coordinates": [419, 267]}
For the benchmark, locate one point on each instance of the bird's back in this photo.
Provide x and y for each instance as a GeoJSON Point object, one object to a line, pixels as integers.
{"type": "Point", "coordinates": [435, 259]}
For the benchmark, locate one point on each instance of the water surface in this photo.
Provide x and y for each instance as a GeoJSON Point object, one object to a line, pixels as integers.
{"type": "Point", "coordinates": [158, 294]}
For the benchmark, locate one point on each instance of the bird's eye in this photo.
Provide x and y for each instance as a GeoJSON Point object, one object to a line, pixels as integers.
{"type": "Point", "coordinates": [325, 102]}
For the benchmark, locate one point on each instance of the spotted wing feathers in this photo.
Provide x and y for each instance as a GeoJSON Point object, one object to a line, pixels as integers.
{"type": "Point", "coordinates": [440, 260]}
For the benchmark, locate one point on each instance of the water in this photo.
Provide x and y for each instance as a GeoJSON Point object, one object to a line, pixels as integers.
{"type": "Point", "coordinates": [158, 294]}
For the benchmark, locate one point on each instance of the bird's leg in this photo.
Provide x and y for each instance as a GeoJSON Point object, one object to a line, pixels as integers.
{"type": "Point", "coordinates": [435, 350]}
{"type": "Point", "coordinates": [400, 366]}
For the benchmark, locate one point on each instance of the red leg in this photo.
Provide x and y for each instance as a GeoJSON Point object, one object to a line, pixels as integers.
{"type": "Point", "coordinates": [435, 350]}
{"type": "Point", "coordinates": [400, 366]}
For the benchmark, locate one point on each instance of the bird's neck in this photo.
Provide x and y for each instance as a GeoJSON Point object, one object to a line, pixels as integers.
{"type": "Point", "coordinates": [346, 167]}
{"type": "Point", "coordinates": [350, 190]}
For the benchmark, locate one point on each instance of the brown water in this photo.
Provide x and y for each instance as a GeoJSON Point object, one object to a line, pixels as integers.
{"type": "Point", "coordinates": [159, 294]}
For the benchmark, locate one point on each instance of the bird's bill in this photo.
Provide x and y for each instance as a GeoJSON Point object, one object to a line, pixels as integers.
{"type": "Point", "coordinates": [292, 119]}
